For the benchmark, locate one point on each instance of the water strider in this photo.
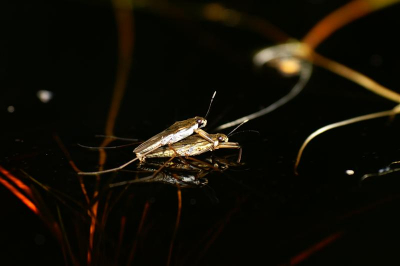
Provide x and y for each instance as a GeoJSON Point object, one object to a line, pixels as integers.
{"type": "Point", "coordinates": [176, 132]}
{"type": "Point", "coordinates": [195, 145]}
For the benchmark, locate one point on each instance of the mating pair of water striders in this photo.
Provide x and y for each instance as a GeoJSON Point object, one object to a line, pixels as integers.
{"type": "Point", "coordinates": [183, 138]}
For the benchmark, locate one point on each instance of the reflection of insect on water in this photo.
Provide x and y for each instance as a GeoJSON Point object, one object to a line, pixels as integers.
{"type": "Point", "coordinates": [182, 173]}
{"type": "Point", "coordinates": [173, 173]}
{"type": "Point", "coordinates": [175, 133]}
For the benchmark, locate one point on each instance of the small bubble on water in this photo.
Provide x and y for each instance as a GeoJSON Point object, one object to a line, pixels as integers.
{"type": "Point", "coordinates": [350, 172]}
{"type": "Point", "coordinates": [44, 96]}
{"type": "Point", "coordinates": [11, 109]}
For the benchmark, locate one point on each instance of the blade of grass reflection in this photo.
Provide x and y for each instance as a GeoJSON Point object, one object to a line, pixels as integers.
{"type": "Point", "coordinates": [73, 165]}
{"type": "Point", "coordinates": [91, 233]}
{"type": "Point", "coordinates": [36, 204]}
{"type": "Point", "coordinates": [65, 239]}
{"type": "Point", "coordinates": [125, 26]}
{"type": "Point", "coordinates": [112, 204]}
{"type": "Point", "coordinates": [66, 153]}
{"type": "Point", "coordinates": [60, 196]}
{"type": "Point", "coordinates": [124, 21]}
{"type": "Point", "coordinates": [106, 207]}
{"type": "Point", "coordinates": [178, 219]}
{"type": "Point", "coordinates": [16, 181]}
{"type": "Point", "coordinates": [220, 228]}
{"type": "Point", "coordinates": [120, 239]}
{"type": "Point", "coordinates": [194, 256]}
{"type": "Point", "coordinates": [353, 214]}
{"type": "Point", "coordinates": [315, 248]}
{"type": "Point", "coordinates": [138, 234]}
{"type": "Point", "coordinates": [101, 225]}
{"type": "Point", "coordinates": [15, 191]}
{"type": "Point", "coordinates": [51, 222]}
{"type": "Point", "coordinates": [20, 196]}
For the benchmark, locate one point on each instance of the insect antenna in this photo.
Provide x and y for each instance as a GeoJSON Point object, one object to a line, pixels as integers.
{"type": "Point", "coordinates": [209, 107]}
{"type": "Point", "coordinates": [230, 133]}
{"type": "Point", "coordinates": [244, 131]}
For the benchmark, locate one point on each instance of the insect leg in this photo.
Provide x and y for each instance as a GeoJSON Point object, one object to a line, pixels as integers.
{"type": "Point", "coordinates": [141, 180]}
{"type": "Point", "coordinates": [115, 138]}
{"type": "Point", "coordinates": [206, 136]}
{"type": "Point", "coordinates": [231, 145]}
{"type": "Point", "coordinates": [114, 169]}
{"type": "Point", "coordinates": [106, 148]}
{"type": "Point", "coordinates": [203, 162]}
{"type": "Point", "coordinates": [108, 170]}
{"type": "Point", "coordinates": [166, 163]}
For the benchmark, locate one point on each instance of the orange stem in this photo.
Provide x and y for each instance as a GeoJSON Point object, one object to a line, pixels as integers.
{"type": "Point", "coordinates": [335, 20]}
{"type": "Point", "coordinates": [19, 195]}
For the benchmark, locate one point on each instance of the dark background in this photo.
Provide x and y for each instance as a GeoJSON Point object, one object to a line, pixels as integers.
{"type": "Point", "coordinates": [265, 213]}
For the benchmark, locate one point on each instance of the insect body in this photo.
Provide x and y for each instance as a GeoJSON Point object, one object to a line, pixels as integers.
{"type": "Point", "coordinates": [178, 131]}
{"type": "Point", "coordinates": [195, 145]}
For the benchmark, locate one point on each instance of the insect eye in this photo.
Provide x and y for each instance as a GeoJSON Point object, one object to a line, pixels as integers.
{"type": "Point", "coordinates": [220, 138]}
{"type": "Point", "coordinates": [200, 122]}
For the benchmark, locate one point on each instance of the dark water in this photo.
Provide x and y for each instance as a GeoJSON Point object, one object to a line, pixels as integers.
{"type": "Point", "coordinates": [256, 212]}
